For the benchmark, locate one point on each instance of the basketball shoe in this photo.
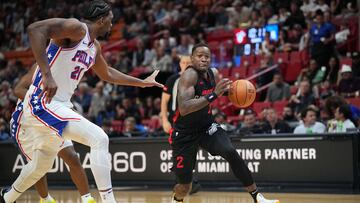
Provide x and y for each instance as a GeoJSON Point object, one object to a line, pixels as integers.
{"type": "Point", "coordinates": [261, 199]}
{"type": "Point", "coordinates": [2, 193]}
{"type": "Point", "coordinates": [52, 200]}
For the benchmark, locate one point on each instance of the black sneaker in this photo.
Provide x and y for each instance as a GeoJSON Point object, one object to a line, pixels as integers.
{"type": "Point", "coordinates": [195, 188]}
{"type": "Point", "coordinates": [2, 193]}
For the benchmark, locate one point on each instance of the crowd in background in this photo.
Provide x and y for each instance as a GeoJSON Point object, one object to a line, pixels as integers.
{"type": "Point", "coordinates": [166, 29]}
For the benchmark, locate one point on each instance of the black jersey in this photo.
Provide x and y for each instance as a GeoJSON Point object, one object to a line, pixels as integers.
{"type": "Point", "coordinates": [201, 119]}
{"type": "Point", "coordinates": [170, 88]}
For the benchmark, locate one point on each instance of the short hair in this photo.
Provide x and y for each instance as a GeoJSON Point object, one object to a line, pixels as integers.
{"type": "Point", "coordinates": [319, 12]}
{"type": "Point", "coordinates": [97, 9]}
{"type": "Point", "coordinates": [345, 110]}
{"type": "Point", "coordinates": [199, 45]}
{"type": "Point", "coordinates": [333, 102]}
{"type": "Point", "coordinates": [305, 111]}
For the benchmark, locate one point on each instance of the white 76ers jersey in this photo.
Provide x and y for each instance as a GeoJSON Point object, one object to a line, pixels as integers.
{"type": "Point", "coordinates": [67, 66]}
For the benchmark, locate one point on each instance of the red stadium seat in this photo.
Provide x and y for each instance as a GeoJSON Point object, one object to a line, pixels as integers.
{"type": "Point", "coordinates": [354, 101]}
{"type": "Point", "coordinates": [281, 57]}
{"type": "Point", "coordinates": [279, 106]}
{"type": "Point", "coordinates": [117, 126]}
{"type": "Point", "coordinates": [238, 73]}
{"type": "Point", "coordinates": [259, 106]}
{"type": "Point", "coordinates": [224, 72]}
{"type": "Point", "coordinates": [295, 57]}
{"type": "Point", "coordinates": [292, 72]}
{"type": "Point", "coordinates": [347, 61]}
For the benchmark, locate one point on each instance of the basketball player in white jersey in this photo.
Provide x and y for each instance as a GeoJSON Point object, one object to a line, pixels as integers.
{"type": "Point", "coordinates": [47, 115]}
{"type": "Point", "coordinates": [67, 152]}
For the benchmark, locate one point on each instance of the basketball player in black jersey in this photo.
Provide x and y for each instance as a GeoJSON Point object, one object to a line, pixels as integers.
{"type": "Point", "coordinates": [194, 126]}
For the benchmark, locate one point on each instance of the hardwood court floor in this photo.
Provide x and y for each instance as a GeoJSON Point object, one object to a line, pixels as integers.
{"type": "Point", "coordinates": [72, 196]}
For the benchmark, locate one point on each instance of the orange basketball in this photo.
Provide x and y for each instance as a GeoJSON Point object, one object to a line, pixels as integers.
{"type": "Point", "coordinates": [242, 93]}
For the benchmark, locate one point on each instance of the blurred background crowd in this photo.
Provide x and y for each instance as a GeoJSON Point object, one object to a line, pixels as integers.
{"type": "Point", "coordinates": [311, 82]}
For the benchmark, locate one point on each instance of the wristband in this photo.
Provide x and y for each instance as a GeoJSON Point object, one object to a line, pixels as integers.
{"type": "Point", "coordinates": [211, 97]}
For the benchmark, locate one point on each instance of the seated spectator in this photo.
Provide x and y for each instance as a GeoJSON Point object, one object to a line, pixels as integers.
{"type": "Point", "coordinates": [289, 117]}
{"type": "Point", "coordinates": [273, 125]}
{"type": "Point", "coordinates": [220, 118]}
{"type": "Point", "coordinates": [268, 45]}
{"type": "Point", "coordinates": [278, 90]}
{"type": "Point", "coordinates": [314, 73]}
{"type": "Point", "coordinates": [296, 17]}
{"type": "Point", "coordinates": [309, 124]}
{"type": "Point", "coordinates": [83, 96]}
{"type": "Point", "coordinates": [305, 98]}
{"type": "Point", "coordinates": [333, 70]}
{"type": "Point", "coordinates": [342, 120]}
{"type": "Point", "coordinates": [4, 131]}
{"type": "Point", "coordinates": [334, 102]}
{"type": "Point", "coordinates": [131, 130]}
{"type": "Point", "coordinates": [307, 7]}
{"type": "Point", "coordinates": [106, 126]}
{"type": "Point", "coordinates": [162, 61]}
{"type": "Point", "coordinates": [349, 86]}
{"type": "Point", "coordinates": [250, 125]}
{"type": "Point", "coordinates": [326, 90]}
{"type": "Point", "coordinates": [185, 46]}
{"type": "Point", "coordinates": [97, 101]}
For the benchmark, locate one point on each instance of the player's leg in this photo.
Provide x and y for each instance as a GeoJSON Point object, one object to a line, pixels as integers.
{"type": "Point", "coordinates": [43, 191]}
{"type": "Point", "coordinates": [89, 134]}
{"type": "Point", "coordinates": [184, 158]}
{"type": "Point", "coordinates": [219, 143]}
{"type": "Point", "coordinates": [40, 145]}
{"type": "Point", "coordinates": [77, 172]}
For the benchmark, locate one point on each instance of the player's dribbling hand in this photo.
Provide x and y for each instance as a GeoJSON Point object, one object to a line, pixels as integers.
{"type": "Point", "coordinates": [150, 81]}
{"type": "Point", "coordinates": [222, 86]}
{"type": "Point", "coordinates": [50, 88]}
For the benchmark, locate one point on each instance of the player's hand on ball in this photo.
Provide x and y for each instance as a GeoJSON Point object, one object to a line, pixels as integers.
{"type": "Point", "coordinates": [150, 81]}
{"type": "Point", "coordinates": [222, 86]}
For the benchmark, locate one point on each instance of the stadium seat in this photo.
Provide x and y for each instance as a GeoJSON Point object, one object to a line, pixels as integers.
{"type": "Point", "coordinates": [117, 125]}
{"type": "Point", "coordinates": [292, 72]}
{"type": "Point", "coordinates": [279, 105]}
{"type": "Point", "coordinates": [259, 106]}
{"type": "Point", "coordinates": [238, 73]}
{"type": "Point", "coordinates": [347, 61]}
{"type": "Point", "coordinates": [281, 57]}
{"type": "Point", "coordinates": [295, 57]}
{"type": "Point", "coordinates": [354, 101]}
{"type": "Point", "coordinates": [224, 72]}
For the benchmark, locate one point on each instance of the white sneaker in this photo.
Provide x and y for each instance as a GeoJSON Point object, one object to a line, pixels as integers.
{"type": "Point", "coordinates": [261, 199]}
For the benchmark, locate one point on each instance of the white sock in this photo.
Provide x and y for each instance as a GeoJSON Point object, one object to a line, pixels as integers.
{"type": "Point", "coordinates": [108, 196]}
{"type": "Point", "coordinates": [11, 195]}
{"type": "Point", "coordinates": [48, 198]}
{"type": "Point", "coordinates": [85, 198]}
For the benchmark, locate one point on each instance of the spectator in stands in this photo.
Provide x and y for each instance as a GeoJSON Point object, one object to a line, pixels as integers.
{"type": "Point", "coordinates": [314, 73]}
{"type": "Point", "coordinates": [167, 41]}
{"type": "Point", "coordinates": [289, 117]}
{"type": "Point", "coordinates": [268, 45]}
{"type": "Point", "coordinates": [326, 90]}
{"type": "Point", "coordinates": [97, 101]}
{"type": "Point", "coordinates": [106, 126]}
{"type": "Point", "coordinates": [220, 118]}
{"type": "Point", "coordinates": [322, 39]}
{"type": "Point", "coordinates": [185, 46]}
{"type": "Point", "coordinates": [296, 17]}
{"type": "Point", "coordinates": [83, 96]}
{"type": "Point", "coordinates": [294, 38]}
{"type": "Point", "coordinates": [255, 19]}
{"type": "Point", "coordinates": [138, 56]}
{"type": "Point", "coordinates": [108, 113]}
{"type": "Point", "coordinates": [334, 102]}
{"type": "Point", "coordinates": [305, 98]}
{"type": "Point", "coordinates": [250, 125]}
{"type": "Point", "coordinates": [305, 38]}
{"type": "Point", "coordinates": [162, 61]}
{"type": "Point", "coordinates": [273, 125]}
{"type": "Point", "coordinates": [219, 12]}
{"type": "Point", "coordinates": [239, 12]}
{"type": "Point", "coordinates": [307, 8]}
{"type": "Point", "coordinates": [309, 124]}
{"type": "Point", "coordinates": [122, 62]}
{"type": "Point", "coordinates": [349, 86]}
{"type": "Point", "coordinates": [342, 120]}
{"type": "Point", "coordinates": [321, 5]}
{"type": "Point", "coordinates": [128, 108]}
{"type": "Point", "coordinates": [4, 130]}
{"type": "Point", "coordinates": [333, 70]}
{"type": "Point", "coordinates": [131, 130]}
{"type": "Point", "coordinates": [278, 90]}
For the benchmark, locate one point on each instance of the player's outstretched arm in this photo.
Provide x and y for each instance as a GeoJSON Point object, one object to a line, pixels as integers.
{"type": "Point", "coordinates": [24, 83]}
{"type": "Point", "coordinates": [57, 29]}
{"type": "Point", "coordinates": [114, 76]}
